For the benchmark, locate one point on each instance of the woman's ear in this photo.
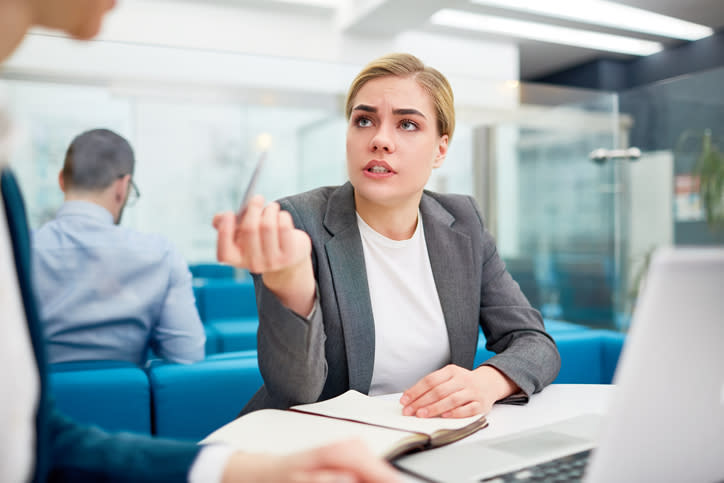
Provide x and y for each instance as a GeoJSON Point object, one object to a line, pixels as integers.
{"type": "Point", "coordinates": [441, 151]}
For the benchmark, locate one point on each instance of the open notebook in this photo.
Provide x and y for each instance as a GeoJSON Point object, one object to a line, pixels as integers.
{"type": "Point", "coordinates": [378, 422]}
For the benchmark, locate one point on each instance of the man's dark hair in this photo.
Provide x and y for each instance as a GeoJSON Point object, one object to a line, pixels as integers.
{"type": "Point", "coordinates": [95, 159]}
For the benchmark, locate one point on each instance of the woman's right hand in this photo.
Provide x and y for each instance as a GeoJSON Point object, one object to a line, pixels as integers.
{"type": "Point", "coordinates": [265, 241]}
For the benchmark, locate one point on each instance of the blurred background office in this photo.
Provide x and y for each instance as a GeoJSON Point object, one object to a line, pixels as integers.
{"type": "Point", "coordinates": [551, 97]}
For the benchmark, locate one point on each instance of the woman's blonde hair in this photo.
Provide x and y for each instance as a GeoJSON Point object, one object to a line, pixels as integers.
{"type": "Point", "coordinates": [407, 65]}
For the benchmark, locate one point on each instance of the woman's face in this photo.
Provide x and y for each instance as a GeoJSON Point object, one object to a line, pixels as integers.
{"type": "Point", "coordinates": [392, 141]}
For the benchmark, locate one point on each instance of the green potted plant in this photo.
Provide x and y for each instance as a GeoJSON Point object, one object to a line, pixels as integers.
{"type": "Point", "coordinates": [709, 169]}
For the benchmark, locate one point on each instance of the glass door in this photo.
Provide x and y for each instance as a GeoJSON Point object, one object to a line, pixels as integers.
{"type": "Point", "coordinates": [556, 197]}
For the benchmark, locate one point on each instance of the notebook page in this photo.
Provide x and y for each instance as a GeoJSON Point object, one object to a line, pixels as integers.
{"type": "Point", "coordinates": [283, 432]}
{"type": "Point", "coordinates": [359, 407]}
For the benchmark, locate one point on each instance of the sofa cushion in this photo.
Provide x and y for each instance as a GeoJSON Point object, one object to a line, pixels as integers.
{"type": "Point", "coordinates": [222, 299]}
{"type": "Point", "coordinates": [238, 334]}
{"type": "Point", "coordinates": [190, 401]}
{"type": "Point", "coordinates": [113, 395]}
{"type": "Point", "coordinates": [588, 357]}
{"type": "Point", "coordinates": [211, 270]}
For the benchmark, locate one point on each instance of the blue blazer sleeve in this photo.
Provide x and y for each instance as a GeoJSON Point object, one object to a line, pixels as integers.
{"type": "Point", "coordinates": [82, 453]}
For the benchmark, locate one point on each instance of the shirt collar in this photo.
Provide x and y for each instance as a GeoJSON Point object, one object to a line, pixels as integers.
{"type": "Point", "coordinates": [85, 209]}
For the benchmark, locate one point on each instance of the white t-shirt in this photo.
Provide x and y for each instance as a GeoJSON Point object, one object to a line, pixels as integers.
{"type": "Point", "coordinates": [19, 381]}
{"type": "Point", "coordinates": [411, 338]}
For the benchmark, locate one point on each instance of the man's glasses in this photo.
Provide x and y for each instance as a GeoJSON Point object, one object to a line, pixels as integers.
{"type": "Point", "coordinates": [133, 193]}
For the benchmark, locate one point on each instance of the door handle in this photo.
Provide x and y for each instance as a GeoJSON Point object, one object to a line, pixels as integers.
{"type": "Point", "coordinates": [601, 155]}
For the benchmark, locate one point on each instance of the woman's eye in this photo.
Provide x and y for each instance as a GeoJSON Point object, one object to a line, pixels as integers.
{"type": "Point", "coordinates": [408, 125]}
{"type": "Point", "coordinates": [363, 122]}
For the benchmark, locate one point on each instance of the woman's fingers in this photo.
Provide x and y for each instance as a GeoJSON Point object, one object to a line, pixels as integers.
{"type": "Point", "coordinates": [262, 240]}
{"type": "Point", "coordinates": [470, 409]}
{"type": "Point", "coordinates": [420, 392]}
{"type": "Point", "coordinates": [269, 236]}
{"type": "Point", "coordinates": [226, 249]}
{"type": "Point", "coordinates": [247, 236]}
{"type": "Point", "coordinates": [452, 404]}
{"type": "Point", "coordinates": [452, 391]}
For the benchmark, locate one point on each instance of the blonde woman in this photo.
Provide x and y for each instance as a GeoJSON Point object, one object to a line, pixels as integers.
{"type": "Point", "coordinates": [379, 285]}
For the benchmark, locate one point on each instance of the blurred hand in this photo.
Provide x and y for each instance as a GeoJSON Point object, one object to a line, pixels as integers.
{"type": "Point", "coordinates": [265, 241]}
{"type": "Point", "coordinates": [455, 392]}
{"type": "Point", "coordinates": [345, 462]}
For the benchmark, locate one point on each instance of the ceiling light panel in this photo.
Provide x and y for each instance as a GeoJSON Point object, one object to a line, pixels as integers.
{"type": "Point", "coordinates": [608, 14]}
{"type": "Point", "coordinates": [544, 32]}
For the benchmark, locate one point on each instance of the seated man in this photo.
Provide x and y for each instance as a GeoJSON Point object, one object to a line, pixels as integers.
{"type": "Point", "coordinates": [108, 292]}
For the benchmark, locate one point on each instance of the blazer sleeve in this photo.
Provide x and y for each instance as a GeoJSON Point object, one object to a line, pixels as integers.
{"type": "Point", "coordinates": [514, 330]}
{"type": "Point", "coordinates": [291, 346]}
{"type": "Point", "coordinates": [84, 453]}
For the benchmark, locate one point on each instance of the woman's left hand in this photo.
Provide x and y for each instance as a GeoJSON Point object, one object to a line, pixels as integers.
{"type": "Point", "coordinates": [455, 392]}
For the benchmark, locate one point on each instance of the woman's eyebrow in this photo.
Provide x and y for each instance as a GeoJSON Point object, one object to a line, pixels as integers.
{"type": "Point", "coordinates": [408, 112]}
{"type": "Point", "coordinates": [364, 107]}
{"type": "Point", "coordinates": [398, 112]}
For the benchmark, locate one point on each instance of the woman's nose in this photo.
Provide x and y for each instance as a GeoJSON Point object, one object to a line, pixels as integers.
{"type": "Point", "coordinates": [383, 140]}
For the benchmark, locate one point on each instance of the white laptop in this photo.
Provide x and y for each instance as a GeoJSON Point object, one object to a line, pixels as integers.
{"type": "Point", "coordinates": [665, 422]}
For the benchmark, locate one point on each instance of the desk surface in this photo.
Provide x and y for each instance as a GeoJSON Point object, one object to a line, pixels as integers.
{"type": "Point", "coordinates": [555, 403]}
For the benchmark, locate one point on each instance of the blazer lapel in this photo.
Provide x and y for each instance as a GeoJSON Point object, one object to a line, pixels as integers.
{"type": "Point", "coordinates": [346, 263]}
{"type": "Point", "coordinates": [451, 256]}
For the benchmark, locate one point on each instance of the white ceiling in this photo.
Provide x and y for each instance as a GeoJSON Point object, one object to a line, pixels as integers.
{"type": "Point", "coordinates": [389, 17]}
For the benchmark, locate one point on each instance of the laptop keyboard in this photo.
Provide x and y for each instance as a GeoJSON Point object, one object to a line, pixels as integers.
{"type": "Point", "coordinates": [568, 468]}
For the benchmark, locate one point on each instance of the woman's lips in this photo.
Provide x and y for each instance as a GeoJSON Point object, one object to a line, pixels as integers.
{"type": "Point", "coordinates": [378, 167]}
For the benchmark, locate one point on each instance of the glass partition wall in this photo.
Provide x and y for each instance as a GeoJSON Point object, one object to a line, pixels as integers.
{"type": "Point", "coordinates": [574, 231]}
{"type": "Point", "coordinates": [195, 149]}
{"type": "Point", "coordinates": [558, 212]}
{"type": "Point", "coordinates": [193, 157]}
{"type": "Point", "coordinates": [578, 215]}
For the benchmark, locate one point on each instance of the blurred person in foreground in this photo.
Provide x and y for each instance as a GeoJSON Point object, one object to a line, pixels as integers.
{"type": "Point", "coordinates": [38, 443]}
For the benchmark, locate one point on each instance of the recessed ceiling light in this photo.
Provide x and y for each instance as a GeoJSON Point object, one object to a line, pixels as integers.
{"type": "Point", "coordinates": [544, 32]}
{"type": "Point", "coordinates": [609, 14]}
{"type": "Point", "coordinates": [315, 3]}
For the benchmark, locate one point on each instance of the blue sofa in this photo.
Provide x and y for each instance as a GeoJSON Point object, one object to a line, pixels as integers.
{"type": "Point", "coordinates": [226, 299]}
{"type": "Point", "coordinates": [228, 310]}
{"type": "Point", "coordinates": [587, 356]}
{"type": "Point", "coordinates": [212, 270]}
{"type": "Point", "coordinates": [213, 342]}
{"type": "Point", "coordinates": [190, 401]}
{"type": "Point", "coordinates": [113, 395]}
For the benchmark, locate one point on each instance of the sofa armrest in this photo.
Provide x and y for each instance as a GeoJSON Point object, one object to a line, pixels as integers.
{"type": "Point", "coordinates": [112, 395]}
{"type": "Point", "coordinates": [190, 401]}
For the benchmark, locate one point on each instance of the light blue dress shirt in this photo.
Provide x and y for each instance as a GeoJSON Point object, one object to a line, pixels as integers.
{"type": "Point", "coordinates": [107, 292]}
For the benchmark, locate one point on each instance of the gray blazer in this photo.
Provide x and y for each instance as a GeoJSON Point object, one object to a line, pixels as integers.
{"type": "Point", "coordinates": [305, 361]}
